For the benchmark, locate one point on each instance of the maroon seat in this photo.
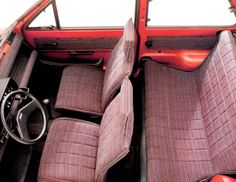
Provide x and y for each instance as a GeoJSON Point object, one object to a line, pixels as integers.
{"type": "Point", "coordinates": [89, 89]}
{"type": "Point", "coordinates": [191, 117]}
{"type": "Point", "coordinates": [77, 150]}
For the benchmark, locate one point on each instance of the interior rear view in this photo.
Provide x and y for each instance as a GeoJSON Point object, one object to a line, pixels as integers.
{"type": "Point", "coordinates": [136, 91]}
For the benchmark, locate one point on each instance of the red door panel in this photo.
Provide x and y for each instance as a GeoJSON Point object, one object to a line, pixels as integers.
{"type": "Point", "coordinates": [74, 44]}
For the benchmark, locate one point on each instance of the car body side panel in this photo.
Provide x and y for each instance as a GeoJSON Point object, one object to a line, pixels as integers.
{"type": "Point", "coordinates": [185, 58]}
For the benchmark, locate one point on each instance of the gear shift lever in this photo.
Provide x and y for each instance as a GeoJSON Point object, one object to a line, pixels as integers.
{"type": "Point", "coordinates": [46, 102]}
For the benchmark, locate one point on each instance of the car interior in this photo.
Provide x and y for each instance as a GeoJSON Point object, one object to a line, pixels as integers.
{"type": "Point", "coordinates": [130, 102]}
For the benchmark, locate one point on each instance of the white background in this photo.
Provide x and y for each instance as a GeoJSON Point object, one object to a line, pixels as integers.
{"type": "Point", "coordinates": [190, 13]}
{"type": "Point", "coordinates": [12, 9]}
{"type": "Point", "coordinates": [88, 13]}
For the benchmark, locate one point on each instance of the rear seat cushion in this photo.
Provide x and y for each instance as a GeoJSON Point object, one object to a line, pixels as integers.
{"type": "Point", "coordinates": [191, 117]}
{"type": "Point", "coordinates": [177, 146]}
{"type": "Point", "coordinates": [81, 89]}
{"type": "Point", "coordinates": [70, 151]}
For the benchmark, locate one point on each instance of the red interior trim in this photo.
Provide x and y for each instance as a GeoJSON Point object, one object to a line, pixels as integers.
{"type": "Point", "coordinates": [204, 31]}
{"type": "Point", "coordinates": [187, 60]}
{"type": "Point", "coordinates": [183, 59]}
{"type": "Point", "coordinates": [30, 35]}
{"type": "Point", "coordinates": [64, 55]}
{"type": "Point", "coordinates": [222, 178]}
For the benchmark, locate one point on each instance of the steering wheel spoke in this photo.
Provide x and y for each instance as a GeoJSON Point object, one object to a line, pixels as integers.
{"type": "Point", "coordinates": [22, 117]}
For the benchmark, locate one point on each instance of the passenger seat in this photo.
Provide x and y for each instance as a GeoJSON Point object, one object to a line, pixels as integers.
{"type": "Point", "coordinates": [78, 150]}
{"type": "Point", "coordinates": [90, 89]}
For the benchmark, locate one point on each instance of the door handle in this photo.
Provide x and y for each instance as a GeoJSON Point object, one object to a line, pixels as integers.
{"type": "Point", "coordinates": [79, 53]}
{"type": "Point", "coordinates": [52, 44]}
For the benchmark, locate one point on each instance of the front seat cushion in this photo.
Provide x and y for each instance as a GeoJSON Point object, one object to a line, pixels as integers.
{"type": "Point", "coordinates": [81, 90]}
{"type": "Point", "coordinates": [70, 151]}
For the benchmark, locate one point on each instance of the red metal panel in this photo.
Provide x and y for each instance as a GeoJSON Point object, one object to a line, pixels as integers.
{"type": "Point", "coordinates": [221, 178]}
{"type": "Point", "coordinates": [183, 59]}
{"type": "Point", "coordinates": [233, 2]}
{"type": "Point", "coordinates": [32, 13]}
{"type": "Point", "coordinates": [207, 31]}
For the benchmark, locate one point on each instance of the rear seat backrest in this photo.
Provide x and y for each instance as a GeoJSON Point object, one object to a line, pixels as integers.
{"type": "Point", "coordinates": [120, 63]}
{"type": "Point", "coordinates": [115, 131]}
{"type": "Point", "coordinates": [190, 117]}
{"type": "Point", "coordinates": [217, 88]}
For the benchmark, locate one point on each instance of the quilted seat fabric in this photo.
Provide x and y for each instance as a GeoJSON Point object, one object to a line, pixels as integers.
{"type": "Point", "coordinates": [190, 117]}
{"type": "Point", "coordinates": [91, 90]}
{"type": "Point", "coordinates": [76, 150]}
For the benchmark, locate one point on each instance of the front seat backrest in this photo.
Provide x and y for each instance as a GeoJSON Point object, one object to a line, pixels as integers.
{"type": "Point", "coordinates": [115, 131]}
{"type": "Point", "coordinates": [120, 63]}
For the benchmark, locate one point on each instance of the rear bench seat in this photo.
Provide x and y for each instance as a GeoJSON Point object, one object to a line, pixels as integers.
{"type": "Point", "coordinates": [190, 117]}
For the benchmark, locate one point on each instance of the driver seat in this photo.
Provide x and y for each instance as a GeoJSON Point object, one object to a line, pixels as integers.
{"type": "Point", "coordinates": [88, 89]}
{"type": "Point", "coordinates": [77, 150]}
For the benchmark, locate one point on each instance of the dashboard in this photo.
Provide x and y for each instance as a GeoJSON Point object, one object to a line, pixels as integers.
{"type": "Point", "coordinates": [7, 85]}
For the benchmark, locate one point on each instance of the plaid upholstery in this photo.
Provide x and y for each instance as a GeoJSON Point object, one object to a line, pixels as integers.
{"type": "Point", "coordinates": [115, 131]}
{"type": "Point", "coordinates": [70, 151]}
{"type": "Point", "coordinates": [120, 64]}
{"type": "Point", "coordinates": [190, 117]}
{"type": "Point", "coordinates": [217, 88]}
{"type": "Point", "coordinates": [76, 150]}
{"type": "Point", "coordinates": [81, 90]}
{"type": "Point", "coordinates": [177, 146]}
{"type": "Point", "coordinates": [90, 90]}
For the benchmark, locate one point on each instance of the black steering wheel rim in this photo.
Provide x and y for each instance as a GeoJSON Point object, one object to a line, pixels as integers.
{"type": "Point", "coordinates": [10, 132]}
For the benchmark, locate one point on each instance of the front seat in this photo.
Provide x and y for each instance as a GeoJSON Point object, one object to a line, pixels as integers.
{"type": "Point", "coordinates": [77, 150]}
{"type": "Point", "coordinates": [89, 89]}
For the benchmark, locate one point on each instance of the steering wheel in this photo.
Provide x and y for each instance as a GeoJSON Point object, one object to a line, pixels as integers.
{"type": "Point", "coordinates": [20, 115]}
